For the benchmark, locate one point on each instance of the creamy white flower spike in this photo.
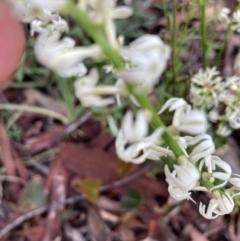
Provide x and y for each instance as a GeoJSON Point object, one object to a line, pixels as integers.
{"type": "Point", "coordinates": [61, 56]}
{"type": "Point", "coordinates": [205, 88]}
{"type": "Point", "coordinates": [148, 57]}
{"type": "Point", "coordinates": [183, 176]}
{"type": "Point", "coordinates": [89, 94]}
{"type": "Point", "coordinates": [135, 131]}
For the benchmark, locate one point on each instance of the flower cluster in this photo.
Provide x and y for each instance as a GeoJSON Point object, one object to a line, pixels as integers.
{"type": "Point", "coordinates": [217, 97]}
{"type": "Point", "coordinates": [143, 62]}
{"type": "Point", "coordinates": [134, 144]}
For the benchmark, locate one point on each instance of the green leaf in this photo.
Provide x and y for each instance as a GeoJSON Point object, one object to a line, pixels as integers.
{"type": "Point", "coordinates": [32, 196]}
{"type": "Point", "coordinates": [131, 199]}
{"type": "Point", "coordinates": [90, 188]}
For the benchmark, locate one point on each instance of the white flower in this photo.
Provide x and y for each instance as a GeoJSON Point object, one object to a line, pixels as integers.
{"type": "Point", "coordinates": [214, 166]}
{"type": "Point", "coordinates": [128, 2]}
{"type": "Point", "coordinates": [214, 116]}
{"type": "Point", "coordinates": [148, 56]}
{"type": "Point", "coordinates": [223, 130]}
{"type": "Point", "coordinates": [183, 176]}
{"type": "Point", "coordinates": [104, 12]}
{"type": "Point", "coordinates": [204, 146]}
{"type": "Point", "coordinates": [28, 10]}
{"type": "Point", "coordinates": [61, 56]}
{"type": "Point", "coordinates": [193, 122]}
{"type": "Point", "coordinates": [220, 205]}
{"type": "Point", "coordinates": [205, 88]}
{"type": "Point", "coordinates": [225, 203]}
{"type": "Point", "coordinates": [138, 130]}
{"type": "Point", "coordinates": [208, 212]}
{"type": "Point", "coordinates": [224, 14]}
{"type": "Point", "coordinates": [235, 181]}
{"type": "Point", "coordinates": [175, 104]}
{"type": "Point", "coordinates": [51, 4]}
{"type": "Point", "coordinates": [234, 120]}
{"type": "Point", "coordinates": [130, 153]}
{"type": "Point", "coordinates": [233, 83]}
{"type": "Point", "coordinates": [236, 21]}
{"type": "Point", "coordinates": [184, 119]}
{"type": "Point", "coordinates": [60, 25]}
{"type": "Point", "coordinates": [179, 194]}
{"type": "Point", "coordinates": [87, 91]}
{"type": "Point", "coordinates": [178, 105]}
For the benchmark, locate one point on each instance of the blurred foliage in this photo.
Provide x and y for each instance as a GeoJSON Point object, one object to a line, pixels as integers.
{"type": "Point", "coordinates": [131, 199]}
{"type": "Point", "coordinates": [90, 187]}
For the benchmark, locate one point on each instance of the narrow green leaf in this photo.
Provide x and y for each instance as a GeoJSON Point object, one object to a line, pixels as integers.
{"type": "Point", "coordinates": [90, 188]}
{"type": "Point", "coordinates": [131, 199]}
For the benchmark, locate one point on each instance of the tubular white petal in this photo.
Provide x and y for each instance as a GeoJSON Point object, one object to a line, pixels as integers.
{"type": "Point", "coordinates": [235, 181]}
{"type": "Point", "coordinates": [89, 94]}
{"type": "Point", "coordinates": [225, 203]}
{"type": "Point", "coordinates": [174, 104]}
{"type": "Point", "coordinates": [122, 12]}
{"type": "Point", "coordinates": [184, 176]}
{"type": "Point", "coordinates": [203, 149]}
{"type": "Point", "coordinates": [52, 4]}
{"type": "Point", "coordinates": [61, 56]}
{"type": "Point", "coordinates": [135, 131]}
{"type": "Point", "coordinates": [208, 212]}
{"type": "Point", "coordinates": [193, 122]}
{"type": "Point", "coordinates": [179, 194]}
{"type": "Point", "coordinates": [148, 58]}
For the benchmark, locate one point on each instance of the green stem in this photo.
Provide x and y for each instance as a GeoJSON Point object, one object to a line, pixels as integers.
{"type": "Point", "coordinates": [67, 90]}
{"type": "Point", "coordinates": [204, 33]}
{"type": "Point", "coordinates": [225, 39]}
{"type": "Point", "coordinates": [174, 40]}
{"type": "Point", "coordinates": [224, 44]}
{"type": "Point", "coordinates": [34, 109]}
{"type": "Point", "coordinates": [95, 32]}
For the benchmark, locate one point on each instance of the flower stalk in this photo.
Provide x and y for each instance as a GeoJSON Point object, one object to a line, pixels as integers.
{"type": "Point", "coordinates": [225, 39]}
{"type": "Point", "coordinates": [96, 33]}
{"type": "Point", "coordinates": [204, 33]}
{"type": "Point", "coordinates": [174, 40]}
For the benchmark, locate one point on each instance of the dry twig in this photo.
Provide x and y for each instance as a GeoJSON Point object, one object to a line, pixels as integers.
{"type": "Point", "coordinates": [54, 206]}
